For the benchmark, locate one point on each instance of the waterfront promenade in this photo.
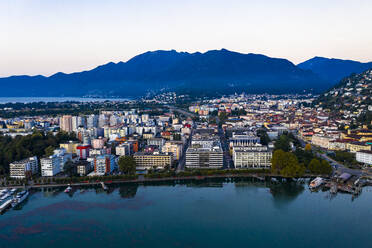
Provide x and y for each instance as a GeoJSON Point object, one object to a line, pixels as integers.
{"type": "Point", "coordinates": [257, 176]}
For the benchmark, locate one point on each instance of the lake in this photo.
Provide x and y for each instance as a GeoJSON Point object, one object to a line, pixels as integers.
{"type": "Point", "coordinates": [56, 99]}
{"type": "Point", "coordinates": [209, 213]}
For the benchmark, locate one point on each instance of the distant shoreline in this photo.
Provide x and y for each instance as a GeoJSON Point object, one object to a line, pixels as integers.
{"type": "Point", "coordinates": [26, 99]}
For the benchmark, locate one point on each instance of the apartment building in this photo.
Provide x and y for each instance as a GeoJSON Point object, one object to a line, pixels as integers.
{"type": "Point", "coordinates": [66, 123]}
{"type": "Point", "coordinates": [104, 164]}
{"type": "Point", "coordinates": [321, 141]}
{"type": "Point", "coordinates": [173, 147]}
{"type": "Point", "coordinates": [50, 166]}
{"type": "Point", "coordinates": [252, 157]}
{"type": "Point", "coordinates": [364, 157]}
{"type": "Point", "coordinates": [145, 161]}
{"type": "Point", "coordinates": [24, 168]}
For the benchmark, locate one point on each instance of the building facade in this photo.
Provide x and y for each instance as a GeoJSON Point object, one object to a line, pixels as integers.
{"type": "Point", "coordinates": [364, 157]}
{"type": "Point", "coordinates": [146, 161]}
{"type": "Point", "coordinates": [24, 168]}
{"type": "Point", "coordinates": [104, 164]}
{"type": "Point", "coordinates": [252, 157]}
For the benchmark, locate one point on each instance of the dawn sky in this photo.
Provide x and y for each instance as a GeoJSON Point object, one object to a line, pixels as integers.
{"type": "Point", "coordinates": [47, 36]}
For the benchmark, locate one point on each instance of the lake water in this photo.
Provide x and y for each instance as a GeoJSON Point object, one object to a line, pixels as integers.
{"type": "Point", "coordinates": [213, 213]}
{"type": "Point", "coordinates": [56, 99]}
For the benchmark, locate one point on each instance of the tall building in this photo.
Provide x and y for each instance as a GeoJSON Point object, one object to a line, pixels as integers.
{"type": "Point", "coordinates": [123, 149]}
{"type": "Point", "coordinates": [74, 122]}
{"type": "Point", "coordinates": [173, 147]}
{"type": "Point", "coordinates": [66, 123]}
{"type": "Point", "coordinates": [92, 121]}
{"type": "Point", "coordinates": [24, 168]}
{"type": "Point", "coordinates": [102, 120]}
{"type": "Point", "coordinates": [251, 157]}
{"type": "Point", "coordinates": [204, 158]}
{"type": "Point", "coordinates": [50, 166]}
{"type": "Point", "coordinates": [104, 164]}
{"type": "Point", "coordinates": [54, 164]}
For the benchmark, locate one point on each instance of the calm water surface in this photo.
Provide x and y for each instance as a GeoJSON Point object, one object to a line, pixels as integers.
{"type": "Point", "coordinates": [212, 213]}
{"type": "Point", "coordinates": [56, 99]}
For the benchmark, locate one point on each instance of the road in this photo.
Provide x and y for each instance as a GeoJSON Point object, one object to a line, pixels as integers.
{"type": "Point", "coordinates": [181, 163]}
{"type": "Point", "coordinates": [181, 111]}
{"type": "Point", "coordinates": [336, 165]}
{"type": "Point", "coordinates": [227, 160]}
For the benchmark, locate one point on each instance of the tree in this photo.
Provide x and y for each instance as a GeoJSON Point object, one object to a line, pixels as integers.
{"type": "Point", "coordinates": [223, 116]}
{"type": "Point", "coordinates": [177, 136]}
{"type": "Point", "coordinates": [308, 147]}
{"type": "Point", "coordinates": [69, 168]}
{"type": "Point", "coordinates": [127, 164]}
{"type": "Point", "coordinates": [264, 138]}
{"type": "Point", "coordinates": [49, 151]}
{"type": "Point", "coordinates": [278, 161]}
{"type": "Point", "coordinates": [315, 166]}
{"type": "Point", "coordinates": [326, 168]}
{"type": "Point", "coordinates": [282, 143]}
{"type": "Point", "coordinates": [293, 170]}
{"type": "Point", "coordinates": [286, 164]}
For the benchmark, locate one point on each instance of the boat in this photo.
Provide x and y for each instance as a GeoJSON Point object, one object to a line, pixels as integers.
{"type": "Point", "coordinates": [12, 191]}
{"type": "Point", "coordinates": [4, 191]}
{"type": "Point", "coordinates": [68, 189]}
{"type": "Point", "coordinates": [19, 198]}
{"type": "Point", "coordinates": [7, 195]}
{"type": "Point", "coordinates": [5, 205]}
{"type": "Point", "coordinates": [104, 187]}
{"type": "Point", "coordinates": [316, 183]}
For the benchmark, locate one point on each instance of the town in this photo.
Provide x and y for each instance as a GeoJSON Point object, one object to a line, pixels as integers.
{"type": "Point", "coordinates": [232, 134]}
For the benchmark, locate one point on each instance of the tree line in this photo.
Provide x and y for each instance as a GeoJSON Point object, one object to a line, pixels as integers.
{"type": "Point", "coordinates": [36, 144]}
{"type": "Point", "coordinates": [295, 161]}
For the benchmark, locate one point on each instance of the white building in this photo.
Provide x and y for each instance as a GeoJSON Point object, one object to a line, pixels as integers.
{"type": "Point", "coordinates": [257, 156]}
{"type": "Point", "coordinates": [24, 168]}
{"type": "Point", "coordinates": [364, 157]}
{"type": "Point", "coordinates": [204, 157]}
{"type": "Point", "coordinates": [54, 164]}
{"type": "Point", "coordinates": [63, 157]}
{"type": "Point", "coordinates": [50, 166]}
{"type": "Point", "coordinates": [123, 149]}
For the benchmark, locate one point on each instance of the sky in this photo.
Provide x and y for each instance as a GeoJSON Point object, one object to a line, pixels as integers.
{"type": "Point", "coordinates": [42, 37]}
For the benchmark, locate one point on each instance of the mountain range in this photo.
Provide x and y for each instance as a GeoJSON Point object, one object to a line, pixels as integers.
{"type": "Point", "coordinates": [210, 73]}
{"type": "Point", "coordinates": [333, 70]}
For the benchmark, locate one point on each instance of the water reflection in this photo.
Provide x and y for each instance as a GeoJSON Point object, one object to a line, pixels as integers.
{"type": "Point", "coordinates": [128, 191]}
{"type": "Point", "coordinates": [285, 193]}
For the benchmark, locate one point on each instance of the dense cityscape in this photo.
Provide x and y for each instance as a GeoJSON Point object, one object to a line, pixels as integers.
{"type": "Point", "coordinates": [276, 136]}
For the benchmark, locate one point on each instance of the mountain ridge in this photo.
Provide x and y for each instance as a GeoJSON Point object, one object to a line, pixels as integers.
{"type": "Point", "coordinates": [333, 69]}
{"type": "Point", "coordinates": [212, 72]}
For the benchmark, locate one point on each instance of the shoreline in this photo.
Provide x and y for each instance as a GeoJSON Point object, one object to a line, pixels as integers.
{"type": "Point", "coordinates": [162, 179]}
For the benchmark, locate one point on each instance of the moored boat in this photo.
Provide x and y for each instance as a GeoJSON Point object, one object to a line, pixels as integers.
{"type": "Point", "coordinates": [68, 189]}
{"type": "Point", "coordinates": [19, 198]}
{"type": "Point", "coordinates": [316, 183]}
